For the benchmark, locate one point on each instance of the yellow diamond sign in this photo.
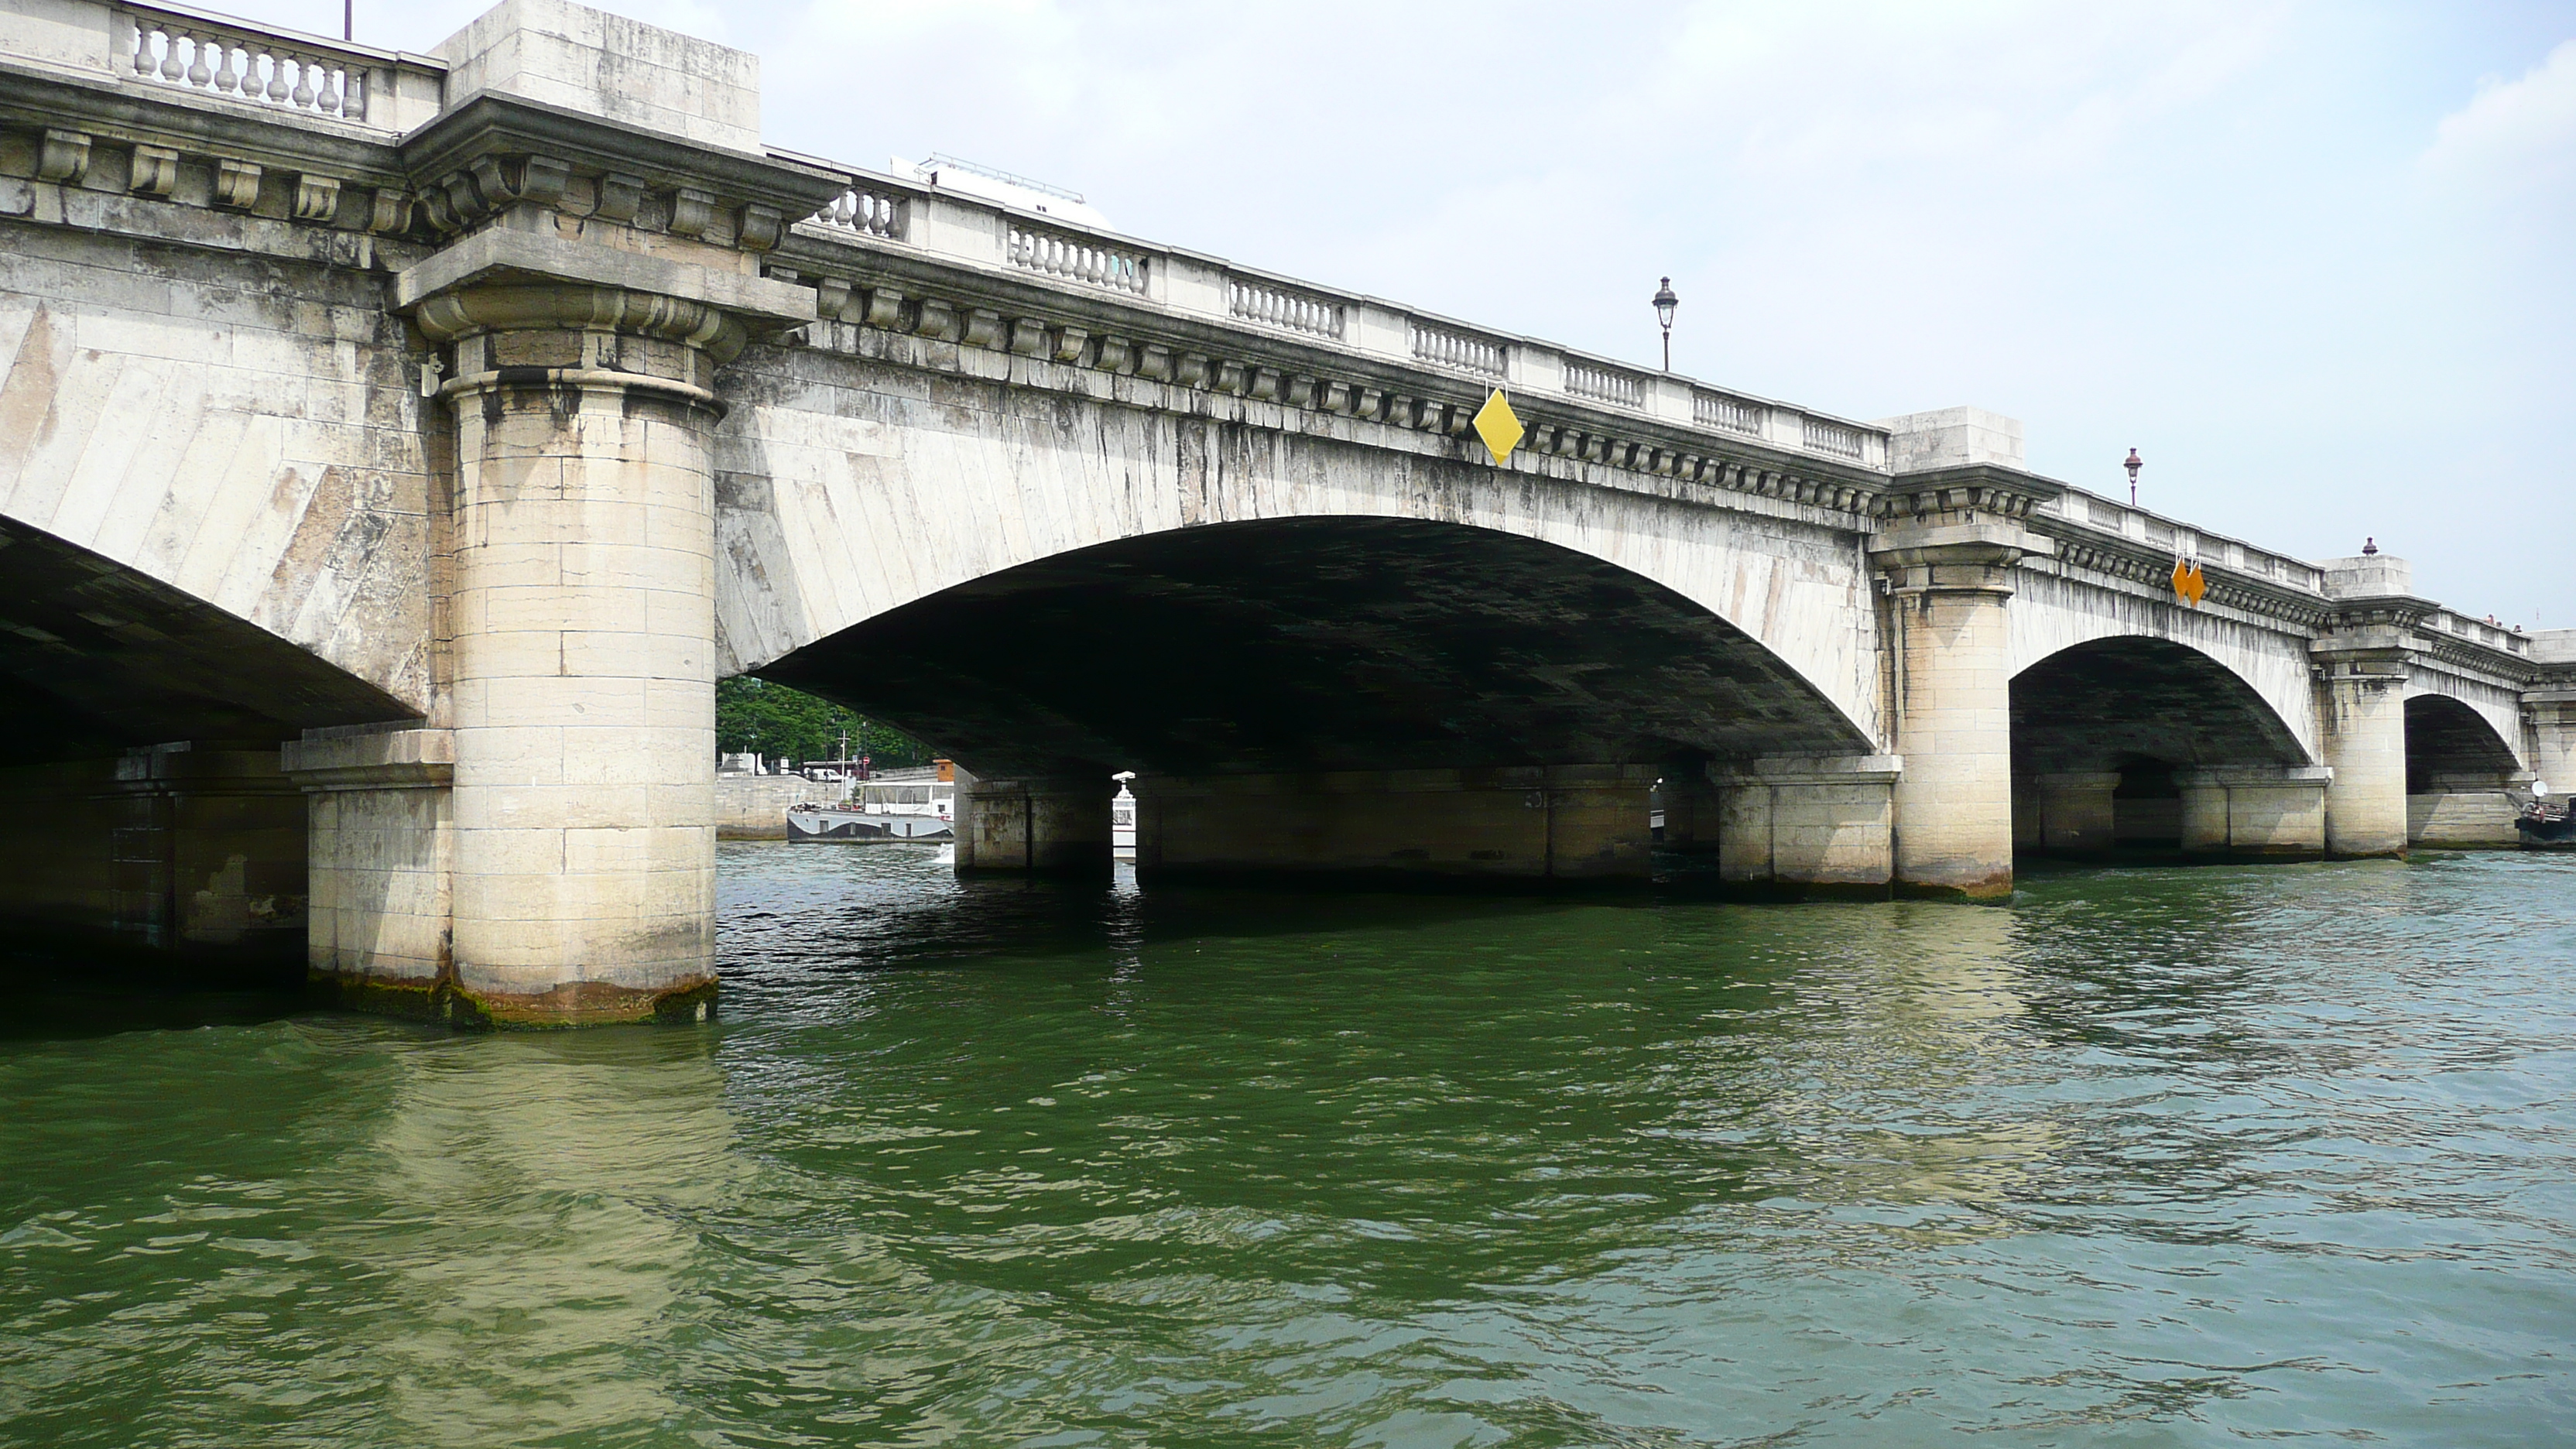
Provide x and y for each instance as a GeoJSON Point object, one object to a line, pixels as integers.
{"type": "Point", "coordinates": [1501, 430]}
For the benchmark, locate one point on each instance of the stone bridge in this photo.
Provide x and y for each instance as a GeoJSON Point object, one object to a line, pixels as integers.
{"type": "Point", "coordinates": [395, 450]}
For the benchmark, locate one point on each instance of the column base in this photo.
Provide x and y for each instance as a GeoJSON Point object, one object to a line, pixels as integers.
{"type": "Point", "coordinates": [380, 938]}
{"type": "Point", "coordinates": [1556, 825]}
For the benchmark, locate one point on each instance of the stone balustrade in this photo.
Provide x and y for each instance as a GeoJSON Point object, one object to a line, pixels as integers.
{"type": "Point", "coordinates": [1075, 258]}
{"type": "Point", "coordinates": [272, 68]}
{"type": "Point", "coordinates": [1272, 306]}
{"type": "Point", "coordinates": [1458, 351]}
{"type": "Point", "coordinates": [935, 225]}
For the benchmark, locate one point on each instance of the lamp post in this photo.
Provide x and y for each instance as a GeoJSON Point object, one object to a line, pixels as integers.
{"type": "Point", "coordinates": [2133, 465]}
{"type": "Point", "coordinates": [1665, 302]}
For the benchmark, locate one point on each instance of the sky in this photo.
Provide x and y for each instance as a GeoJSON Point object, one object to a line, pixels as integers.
{"type": "Point", "coordinates": [2315, 262]}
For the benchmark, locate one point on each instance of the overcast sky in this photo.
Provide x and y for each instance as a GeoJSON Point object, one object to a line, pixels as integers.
{"type": "Point", "coordinates": [2316, 262]}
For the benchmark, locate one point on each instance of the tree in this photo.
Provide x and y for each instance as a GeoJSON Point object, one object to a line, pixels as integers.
{"type": "Point", "coordinates": [782, 723]}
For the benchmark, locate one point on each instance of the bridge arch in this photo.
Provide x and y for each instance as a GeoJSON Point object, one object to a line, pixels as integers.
{"type": "Point", "coordinates": [142, 807]}
{"type": "Point", "coordinates": [2447, 738]}
{"type": "Point", "coordinates": [1319, 644]}
{"type": "Point", "coordinates": [829, 459]}
{"type": "Point", "coordinates": [2112, 739]}
{"type": "Point", "coordinates": [2463, 776]}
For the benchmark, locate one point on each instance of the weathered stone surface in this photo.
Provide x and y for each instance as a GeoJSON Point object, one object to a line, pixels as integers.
{"type": "Point", "coordinates": [461, 435]}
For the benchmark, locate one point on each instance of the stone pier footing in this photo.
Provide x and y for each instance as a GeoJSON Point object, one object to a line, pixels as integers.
{"type": "Point", "coordinates": [185, 857]}
{"type": "Point", "coordinates": [2069, 812]}
{"type": "Point", "coordinates": [2261, 811]}
{"type": "Point", "coordinates": [382, 841]}
{"type": "Point", "coordinates": [2471, 810]}
{"type": "Point", "coordinates": [1567, 824]}
{"type": "Point", "coordinates": [1041, 826]}
{"type": "Point", "coordinates": [1807, 825]}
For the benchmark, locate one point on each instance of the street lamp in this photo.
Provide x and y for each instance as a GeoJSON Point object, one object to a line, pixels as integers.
{"type": "Point", "coordinates": [2133, 465]}
{"type": "Point", "coordinates": [1665, 302]}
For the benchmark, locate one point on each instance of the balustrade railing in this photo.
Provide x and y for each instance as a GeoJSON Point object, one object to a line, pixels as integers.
{"type": "Point", "coordinates": [1273, 306]}
{"type": "Point", "coordinates": [869, 213]}
{"type": "Point", "coordinates": [2479, 631]}
{"type": "Point", "coordinates": [1075, 259]}
{"type": "Point", "coordinates": [222, 60]}
{"type": "Point", "coordinates": [1840, 439]}
{"type": "Point", "coordinates": [1734, 414]}
{"type": "Point", "coordinates": [1458, 351]}
{"type": "Point", "coordinates": [1601, 384]}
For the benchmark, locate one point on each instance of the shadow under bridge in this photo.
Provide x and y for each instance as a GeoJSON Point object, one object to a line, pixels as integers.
{"type": "Point", "coordinates": [2142, 744]}
{"type": "Point", "coordinates": [1350, 694]}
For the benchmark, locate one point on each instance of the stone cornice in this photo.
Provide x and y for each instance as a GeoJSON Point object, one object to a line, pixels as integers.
{"type": "Point", "coordinates": [34, 98]}
{"type": "Point", "coordinates": [2468, 657]}
{"type": "Point", "coordinates": [493, 153]}
{"type": "Point", "coordinates": [1966, 488]}
{"type": "Point", "coordinates": [89, 134]}
{"type": "Point", "coordinates": [902, 292]}
{"type": "Point", "coordinates": [2089, 549]}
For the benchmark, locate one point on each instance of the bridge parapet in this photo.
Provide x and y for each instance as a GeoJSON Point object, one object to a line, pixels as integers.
{"type": "Point", "coordinates": [887, 254]}
{"type": "Point", "coordinates": [278, 74]}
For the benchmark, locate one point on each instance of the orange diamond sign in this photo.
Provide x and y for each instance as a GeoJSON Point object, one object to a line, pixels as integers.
{"type": "Point", "coordinates": [2188, 585]}
{"type": "Point", "coordinates": [1501, 430]}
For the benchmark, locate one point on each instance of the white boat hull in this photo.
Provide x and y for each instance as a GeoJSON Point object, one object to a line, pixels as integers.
{"type": "Point", "coordinates": [866, 826]}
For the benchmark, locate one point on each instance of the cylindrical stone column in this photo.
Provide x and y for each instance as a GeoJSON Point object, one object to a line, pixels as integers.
{"type": "Point", "coordinates": [2363, 710]}
{"type": "Point", "coordinates": [582, 616]}
{"type": "Point", "coordinates": [1954, 803]}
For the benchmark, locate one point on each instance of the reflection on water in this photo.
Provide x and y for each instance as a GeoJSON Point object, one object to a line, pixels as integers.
{"type": "Point", "coordinates": [2151, 1156]}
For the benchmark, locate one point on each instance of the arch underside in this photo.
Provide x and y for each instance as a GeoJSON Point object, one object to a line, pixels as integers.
{"type": "Point", "coordinates": [2111, 703]}
{"type": "Point", "coordinates": [1335, 643]}
{"type": "Point", "coordinates": [2446, 738]}
{"type": "Point", "coordinates": [99, 658]}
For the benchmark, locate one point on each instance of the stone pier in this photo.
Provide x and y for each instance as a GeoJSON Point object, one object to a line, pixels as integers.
{"type": "Point", "coordinates": [1808, 825]}
{"type": "Point", "coordinates": [2363, 665]}
{"type": "Point", "coordinates": [2549, 711]}
{"type": "Point", "coordinates": [2254, 811]}
{"type": "Point", "coordinates": [1945, 559]}
{"type": "Point", "coordinates": [1042, 825]}
{"type": "Point", "coordinates": [583, 337]}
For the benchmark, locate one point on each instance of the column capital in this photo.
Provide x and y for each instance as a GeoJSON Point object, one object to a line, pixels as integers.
{"type": "Point", "coordinates": [526, 308]}
{"type": "Point", "coordinates": [1957, 529]}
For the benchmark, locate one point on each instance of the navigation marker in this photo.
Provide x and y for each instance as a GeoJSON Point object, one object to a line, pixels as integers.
{"type": "Point", "coordinates": [2188, 585]}
{"type": "Point", "coordinates": [1501, 430]}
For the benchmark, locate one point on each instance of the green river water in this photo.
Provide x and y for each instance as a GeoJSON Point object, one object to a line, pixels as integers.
{"type": "Point", "coordinates": [2148, 1157]}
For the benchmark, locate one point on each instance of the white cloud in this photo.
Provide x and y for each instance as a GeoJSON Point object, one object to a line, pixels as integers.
{"type": "Point", "coordinates": [2516, 137]}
